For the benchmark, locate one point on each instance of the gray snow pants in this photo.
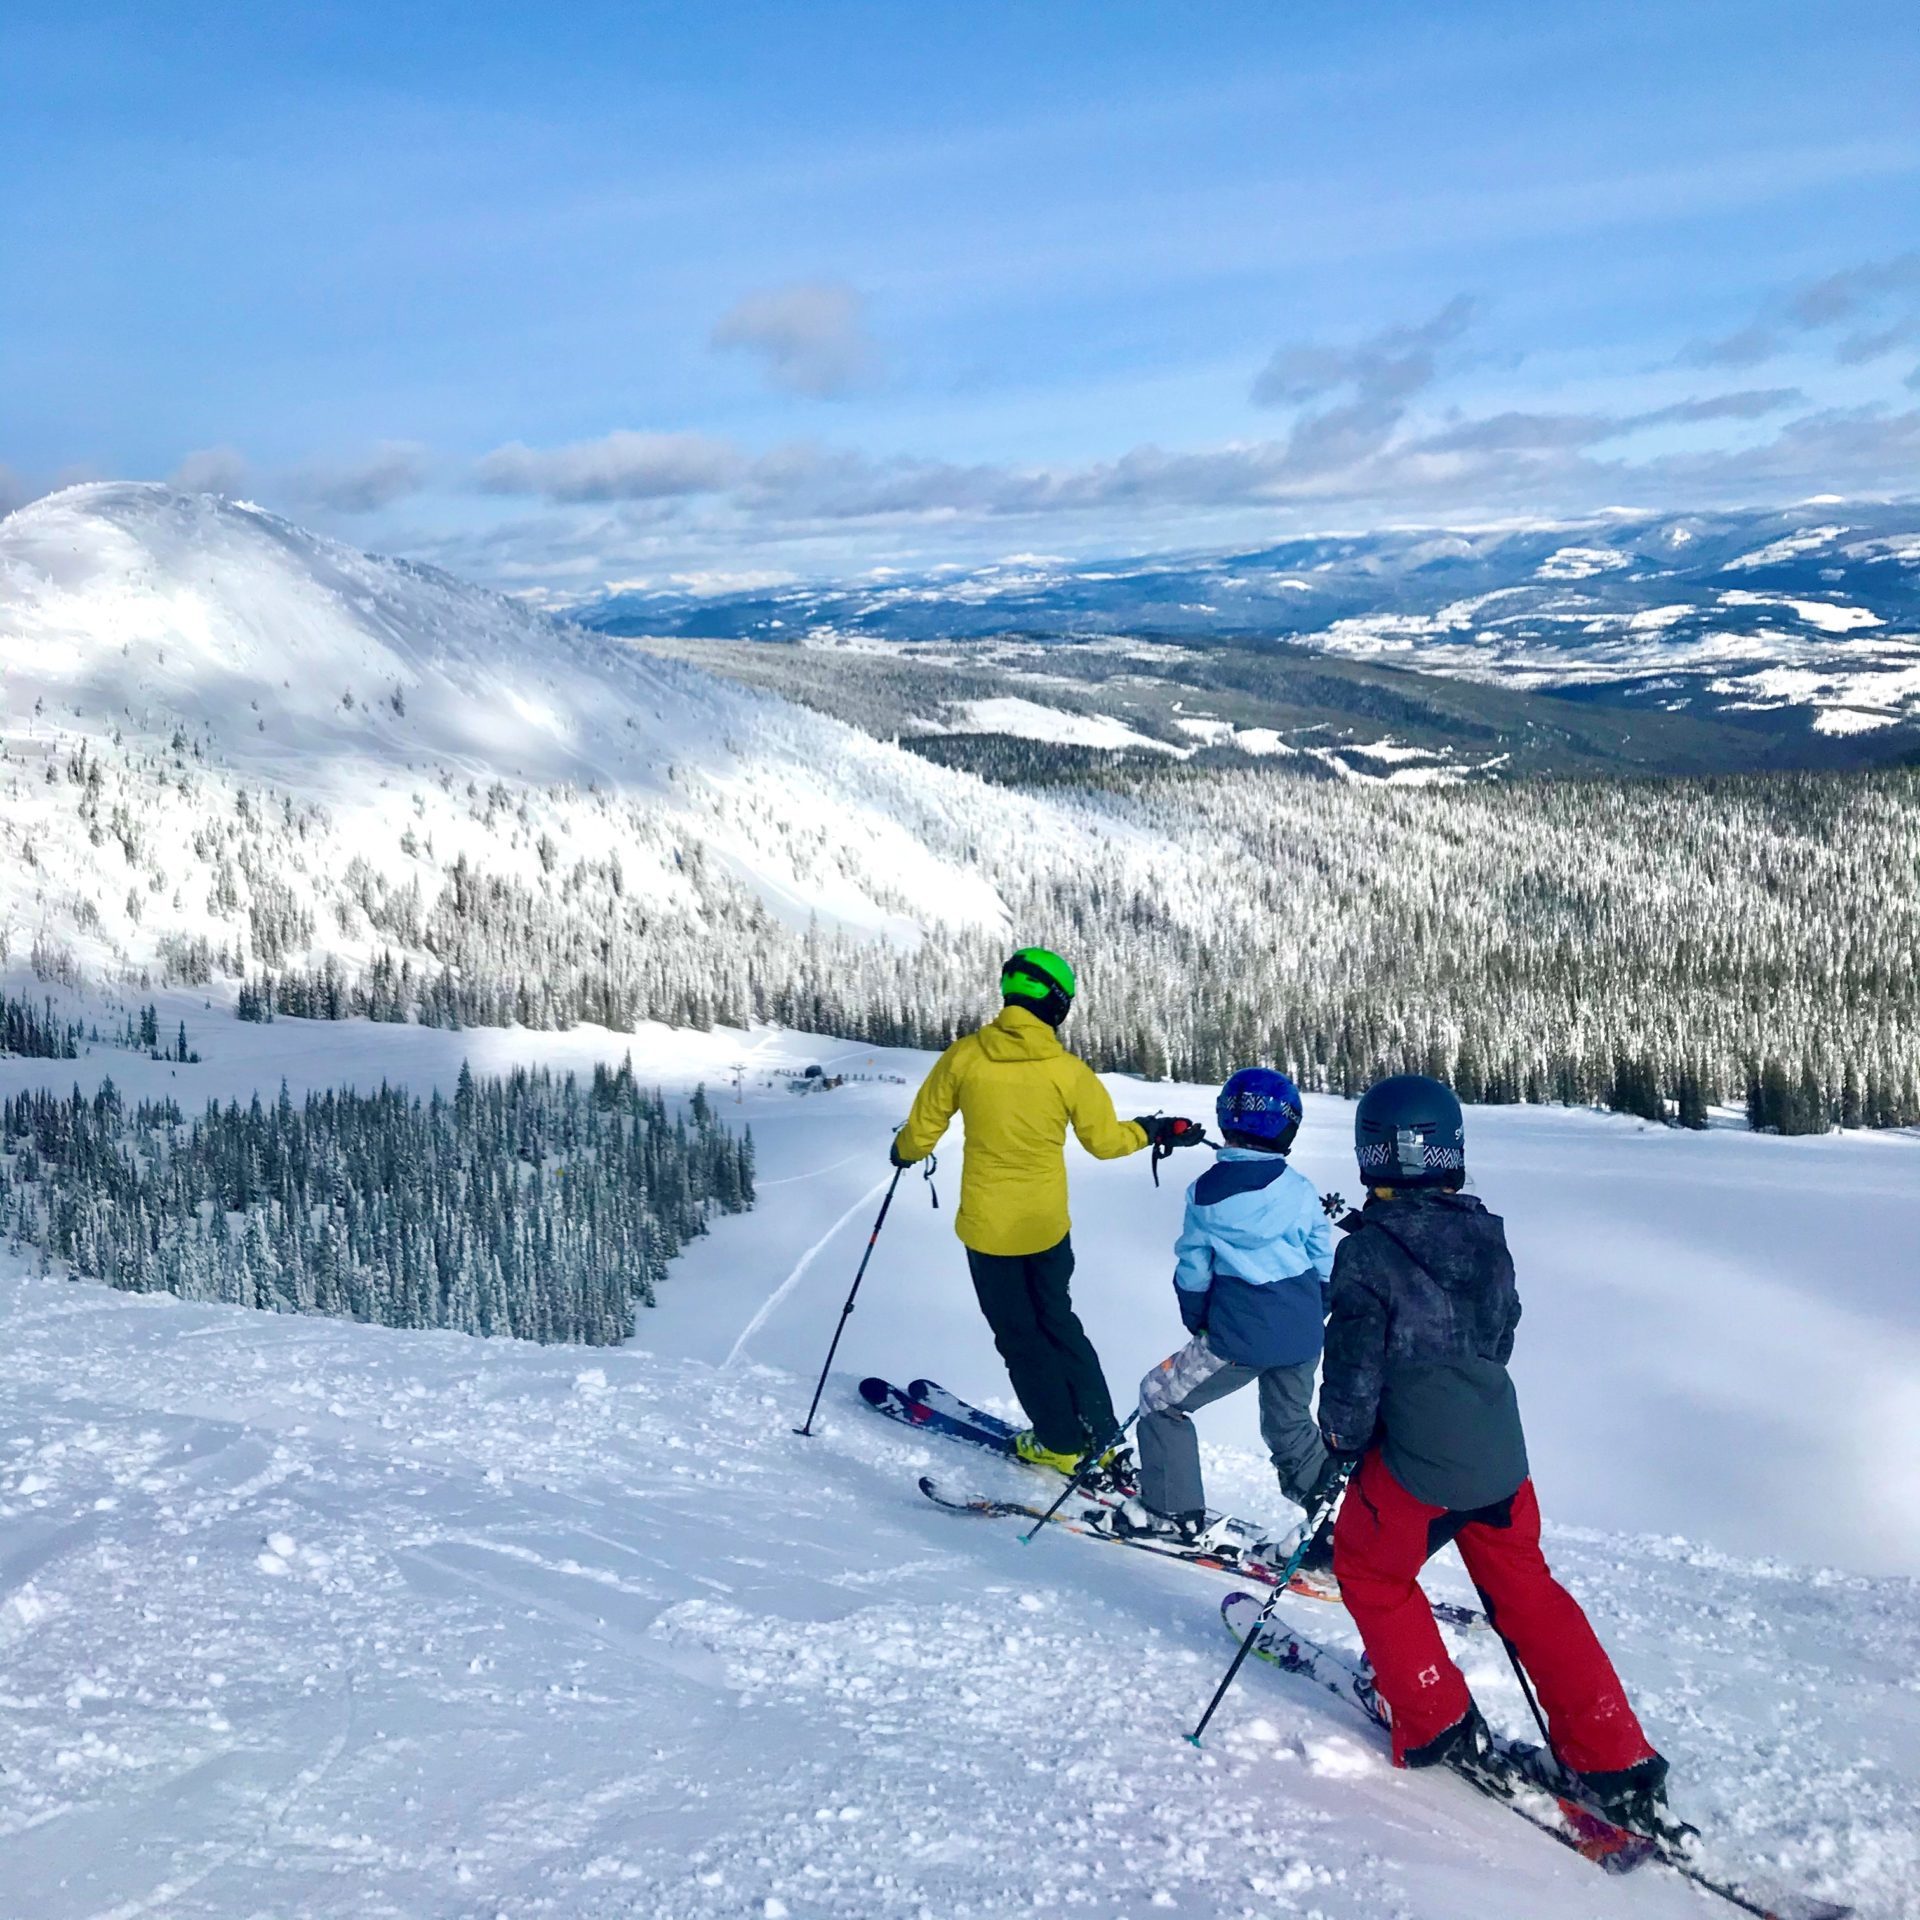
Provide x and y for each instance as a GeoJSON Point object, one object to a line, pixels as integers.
{"type": "Point", "coordinates": [1196, 1376]}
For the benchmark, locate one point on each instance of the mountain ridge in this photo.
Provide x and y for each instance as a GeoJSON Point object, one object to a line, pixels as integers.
{"type": "Point", "coordinates": [1800, 621]}
{"type": "Point", "coordinates": [185, 679]}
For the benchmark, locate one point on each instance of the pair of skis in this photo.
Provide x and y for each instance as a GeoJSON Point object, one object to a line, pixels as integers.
{"type": "Point", "coordinates": [930, 1407]}
{"type": "Point", "coordinates": [1518, 1766]}
{"type": "Point", "coordinates": [1528, 1780]}
{"type": "Point", "coordinates": [1530, 1783]}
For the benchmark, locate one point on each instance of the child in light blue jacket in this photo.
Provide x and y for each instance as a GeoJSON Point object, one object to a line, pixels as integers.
{"type": "Point", "coordinates": [1250, 1273]}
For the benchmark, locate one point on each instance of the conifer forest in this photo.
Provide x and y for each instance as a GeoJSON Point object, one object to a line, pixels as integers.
{"type": "Point", "coordinates": [524, 1205]}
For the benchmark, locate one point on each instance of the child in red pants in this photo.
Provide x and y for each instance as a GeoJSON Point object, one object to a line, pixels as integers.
{"type": "Point", "coordinates": [1416, 1388]}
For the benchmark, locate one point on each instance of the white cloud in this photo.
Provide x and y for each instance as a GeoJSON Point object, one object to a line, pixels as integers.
{"type": "Point", "coordinates": [1390, 365]}
{"type": "Point", "coordinates": [391, 471]}
{"type": "Point", "coordinates": [1746, 347]}
{"type": "Point", "coordinates": [799, 496]}
{"type": "Point", "coordinates": [1855, 290]}
{"type": "Point", "coordinates": [1878, 300]}
{"type": "Point", "coordinates": [811, 337]}
{"type": "Point", "coordinates": [1749, 403]}
{"type": "Point", "coordinates": [221, 469]}
{"type": "Point", "coordinates": [619, 466]}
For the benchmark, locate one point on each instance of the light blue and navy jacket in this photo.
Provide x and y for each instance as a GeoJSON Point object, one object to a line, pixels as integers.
{"type": "Point", "coordinates": [1252, 1260]}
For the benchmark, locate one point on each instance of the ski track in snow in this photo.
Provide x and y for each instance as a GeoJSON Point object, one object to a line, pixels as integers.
{"type": "Point", "coordinates": [299, 1617]}
{"type": "Point", "coordinates": [799, 1273]}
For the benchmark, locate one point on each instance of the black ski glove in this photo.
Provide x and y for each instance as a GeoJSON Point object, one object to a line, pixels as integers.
{"type": "Point", "coordinates": [893, 1153]}
{"type": "Point", "coordinates": [1342, 1454]}
{"type": "Point", "coordinates": [1166, 1131]}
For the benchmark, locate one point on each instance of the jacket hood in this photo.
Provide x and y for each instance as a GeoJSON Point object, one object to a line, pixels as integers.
{"type": "Point", "coordinates": [1448, 1233]}
{"type": "Point", "coordinates": [1017, 1034]}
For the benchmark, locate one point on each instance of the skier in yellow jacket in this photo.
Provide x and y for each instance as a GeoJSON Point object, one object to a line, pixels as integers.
{"type": "Point", "coordinates": [1018, 1090]}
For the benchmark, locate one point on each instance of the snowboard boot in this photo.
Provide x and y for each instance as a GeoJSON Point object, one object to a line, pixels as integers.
{"type": "Point", "coordinates": [1027, 1445]}
{"type": "Point", "coordinates": [1467, 1747]}
{"type": "Point", "coordinates": [1636, 1798]}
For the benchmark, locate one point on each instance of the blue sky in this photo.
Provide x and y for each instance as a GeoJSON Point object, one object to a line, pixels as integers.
{"type": "Point", "coordinates": [558, 296]}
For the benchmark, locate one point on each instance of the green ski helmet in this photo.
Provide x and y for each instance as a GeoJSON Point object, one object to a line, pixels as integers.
{"type": "Point", "coordinates": [1039, 981]}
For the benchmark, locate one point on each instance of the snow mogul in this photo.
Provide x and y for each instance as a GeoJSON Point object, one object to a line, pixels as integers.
{"type": "Point", "coordinates": [1416, 1391]}
{"type": "Point", "coordinates": [1251, 1270]}
{"type": "Point", "coordinates": [1018, 1090]}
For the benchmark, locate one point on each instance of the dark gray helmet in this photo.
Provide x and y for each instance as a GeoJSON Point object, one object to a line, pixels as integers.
{"type": "Point", "coordinates": [1408, 1132]}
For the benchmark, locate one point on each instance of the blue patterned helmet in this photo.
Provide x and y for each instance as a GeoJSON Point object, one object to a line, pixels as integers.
{"type": "Point", "coordinates": [1409, 1132]}
{"type": "Point", "coordinates": [1262, 1107]}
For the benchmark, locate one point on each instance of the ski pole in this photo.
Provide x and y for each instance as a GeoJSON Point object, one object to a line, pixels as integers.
{"type": "Point", "coordinates": [1080, 1473]}
{"type": "Point", "coordinates": [806, 1430]}
{"type": "Point", "coordinates": [1313, 1525]}
{"type": "Point", "coordinates": [1519, 1672]}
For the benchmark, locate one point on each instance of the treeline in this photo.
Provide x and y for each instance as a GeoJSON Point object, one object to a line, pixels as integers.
{"type": "Point", "coordinates": [1663, 946]}
{"type": "Point", "coordinates": [1012, 760]}
{"type": "Point", "coordinates": [37, 1032]}
{"type": "Point", "coordinates": [527, 1205]}
{"type": "Point", "coordinates": [1658, 947]}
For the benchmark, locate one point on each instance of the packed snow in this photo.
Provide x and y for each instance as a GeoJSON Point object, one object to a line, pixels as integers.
{"type": "Point", "coordinates": [1032, 721]}
{"type": "Point", "coordinates": [1792, 546]}
{"type": "Point", "coordinates": [1824, 614]}
{"type": "Point", "coordinates": [1580, 563]}
{"type": "Point", "coordinates": [1852, 720]}
{"type": "Point", "coordinates": [303, 1617]}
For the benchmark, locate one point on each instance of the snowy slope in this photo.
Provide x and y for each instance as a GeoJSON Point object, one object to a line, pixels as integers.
{"type": "Point", "coordinates": [303, 1617]}
{"type": "Point", "coordinates": [219, 664]}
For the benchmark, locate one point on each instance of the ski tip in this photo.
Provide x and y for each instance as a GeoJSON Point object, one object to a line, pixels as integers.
{"type": "Point", "coordinates": [876, 1392]}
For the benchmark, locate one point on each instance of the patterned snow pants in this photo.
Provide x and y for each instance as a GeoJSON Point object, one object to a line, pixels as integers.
{"type": "Point", "coordinates": [1196, 1376]}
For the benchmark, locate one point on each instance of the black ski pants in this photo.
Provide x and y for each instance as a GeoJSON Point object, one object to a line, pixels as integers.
{"type": "Point", "coordinates": [1051, 1362]}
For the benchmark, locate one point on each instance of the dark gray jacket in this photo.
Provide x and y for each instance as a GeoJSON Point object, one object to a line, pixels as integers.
{"type": "Point", "coordinates": [1424, 1310]}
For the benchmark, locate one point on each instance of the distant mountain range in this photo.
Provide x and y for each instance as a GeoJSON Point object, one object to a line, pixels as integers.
{"type": "Point", "coordinates": [1801, 625]}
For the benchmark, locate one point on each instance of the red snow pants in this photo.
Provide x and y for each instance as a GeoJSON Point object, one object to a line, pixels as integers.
{"type": "Point", "coordinates": [1384, 1536]}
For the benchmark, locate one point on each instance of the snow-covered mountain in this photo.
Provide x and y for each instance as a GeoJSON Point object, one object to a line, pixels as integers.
{"type": "Point", "coordinates": [232, 752]}
{"type": "Point", "coordinates": [1779, 619]}
{"type": "Point", "coordinates": [221, 731]}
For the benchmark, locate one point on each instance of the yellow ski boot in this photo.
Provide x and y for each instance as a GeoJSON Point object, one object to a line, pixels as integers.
{"type": "Point", "coordinates": [1026, 1444]}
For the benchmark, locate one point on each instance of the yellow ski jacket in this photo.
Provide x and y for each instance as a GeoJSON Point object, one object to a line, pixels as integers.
{"type": "Point", "coordinates": [1018, 1090]}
